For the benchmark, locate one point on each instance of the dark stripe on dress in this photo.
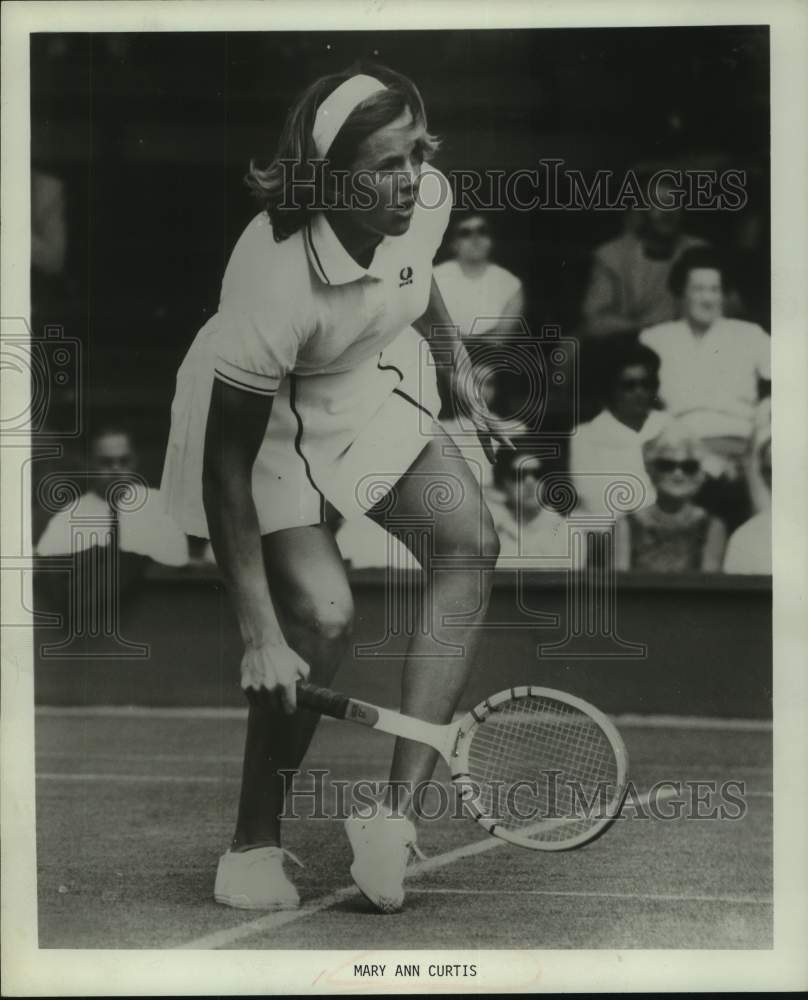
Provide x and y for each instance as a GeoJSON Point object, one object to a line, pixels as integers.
{"type": "Point", "coordinates": [390, 368]}
{"type": "Point", "coordinates": [399, 391]}
{"type": "Point", "coordinates": [243, 385]}
{"type": "Point", "coordinates": [298, 442]}
{"type": "Point", "coordinates": [404, 395]}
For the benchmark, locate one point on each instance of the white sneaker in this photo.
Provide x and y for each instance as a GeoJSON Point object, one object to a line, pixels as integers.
{"type": "Point", "coordinates": [382, 845]}
{"type": "Point", "coordinates": [255, 880]}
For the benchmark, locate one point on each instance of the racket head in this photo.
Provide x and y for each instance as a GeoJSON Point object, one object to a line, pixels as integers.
{"type": "Point", "coordinates": [540, 768]}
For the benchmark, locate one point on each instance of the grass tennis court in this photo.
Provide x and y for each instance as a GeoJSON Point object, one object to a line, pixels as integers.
{"type": "Point", "coordinates": [135, 806]}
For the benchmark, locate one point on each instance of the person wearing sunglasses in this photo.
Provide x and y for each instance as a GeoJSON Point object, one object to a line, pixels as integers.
{"type": "Point", "coordinates": [672, 535]}
{"type": "Point", "coordinates": [483, 299]}
{"type": "Point", "coordinates": [607, 450]}
{"type": "Point", "coordinates": [532, 535]}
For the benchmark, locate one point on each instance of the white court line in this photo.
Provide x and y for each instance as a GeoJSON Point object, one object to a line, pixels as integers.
{"type": "Point", "coordinates": [196, 758]}
{"type": "Point", "coordinates": [665, 792]}
{"type": "Point", "coordinates": [271, 921]}
{"type": "Point", "coordinates": [628, 720]}
{"type": "Point", "coordinates": [165, 779]}
{"type": "Point", "coordinates": [648, 896]}
{"type": "Point", "coordinates": [704, 768]}
{"type": "Point", "coordinates": [632, 721]}
{"type": "Point", "coordinates": [138, 712]}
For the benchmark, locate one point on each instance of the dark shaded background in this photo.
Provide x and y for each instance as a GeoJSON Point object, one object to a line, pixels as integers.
{"type": "Point", "coordinates": [152, 134]}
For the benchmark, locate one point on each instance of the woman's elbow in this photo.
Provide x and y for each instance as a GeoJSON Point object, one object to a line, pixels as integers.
{"type": "Point", "coordinates": [212, 472]}
{"type": "Point", "coordinates": [225, 480]}
{"type": "Point", "coordinates": [217, 481]}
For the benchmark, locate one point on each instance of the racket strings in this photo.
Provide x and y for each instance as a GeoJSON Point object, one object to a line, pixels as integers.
{"type": "Point", "coordinates": [543, 768]}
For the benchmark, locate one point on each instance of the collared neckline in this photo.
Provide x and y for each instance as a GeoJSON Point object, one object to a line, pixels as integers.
{"type": "Point", "coordinates": [332, 263]}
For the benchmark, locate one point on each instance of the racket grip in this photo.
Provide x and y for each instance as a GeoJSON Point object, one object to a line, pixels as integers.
{"type": "Point", "coordinates": [322, 700]}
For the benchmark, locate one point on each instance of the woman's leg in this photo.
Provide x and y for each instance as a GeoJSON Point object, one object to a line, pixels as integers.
{"type": "Point", "coordinates": [312, 599]}
{"type": "Point", "coordinates": [458, 550]}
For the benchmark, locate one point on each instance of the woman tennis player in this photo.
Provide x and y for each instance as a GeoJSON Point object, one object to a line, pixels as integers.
{"type": "Point", "coordinates": [308, 388]}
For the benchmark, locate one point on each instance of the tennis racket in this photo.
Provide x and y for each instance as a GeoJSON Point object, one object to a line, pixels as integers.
{"type": "Point", "coordinates": [538, 768]}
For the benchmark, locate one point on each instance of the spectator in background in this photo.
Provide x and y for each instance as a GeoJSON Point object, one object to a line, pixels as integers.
{"type": "Point", "coordinates": [608, 449]}
{"type": "Point", "coordinates": [531, 535]}
{"type": "Point", "coordinates": [672, 535]}
{"type": "Point", "coordinates": [48, 225]}
{"type": "Point", "coordinates": [483, 298]}
{"type": "Point", "coordinates": [144, 530]}
{"type": "Point", "coordinates": [628, 288]}
{"type": "Point", "coordinates": [713, 373]}
{"type": "Point", "coordinates": [52, 291]}
{"type": "Point", "coordinates": [750, 546]}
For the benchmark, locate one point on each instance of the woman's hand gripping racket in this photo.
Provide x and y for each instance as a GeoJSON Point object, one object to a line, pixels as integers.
{"type": "Point", "coordinates": [536, 767]}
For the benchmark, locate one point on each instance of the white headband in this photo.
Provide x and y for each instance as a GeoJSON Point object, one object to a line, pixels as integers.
{"type": "Point", "coordinates": [337, 106]}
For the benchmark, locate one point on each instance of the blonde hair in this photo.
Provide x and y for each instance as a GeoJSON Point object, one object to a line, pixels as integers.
{"type": "Point", "coordinates": [674, 436]}
{"type": "Point", "coordinates": [293, 186]}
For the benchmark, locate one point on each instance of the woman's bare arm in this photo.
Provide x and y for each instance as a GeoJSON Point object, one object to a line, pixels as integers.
{"type": "Point", "coordinates": [451, 357]}
{"type": "Point", "coordinates": [236, 425]}
{"type": "Point", "coordinates": [436, 326]}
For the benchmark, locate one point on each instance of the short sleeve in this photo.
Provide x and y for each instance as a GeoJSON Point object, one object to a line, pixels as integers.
{"type": "Point", "coordinates": [434, 207]}
{"type": "Point", "coordinates": [254, 350]}
{"type": "Point", "coordinates": [259, 329]}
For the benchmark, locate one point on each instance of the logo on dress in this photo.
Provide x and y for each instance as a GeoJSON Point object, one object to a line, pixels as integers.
{"type": "Point", "coordinates": [405, 276]}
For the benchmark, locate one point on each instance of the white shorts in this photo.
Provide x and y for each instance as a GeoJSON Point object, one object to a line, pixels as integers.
{"type": "Point", "coordinates": [345, 438]}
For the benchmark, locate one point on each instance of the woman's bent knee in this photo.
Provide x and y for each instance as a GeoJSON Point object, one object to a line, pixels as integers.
{"type": "Point", "coordinates": [333, 625]}
{"type": "Point", "coordinates": [481, 542]}
{"type": "Point", "coordinates": [490, 541]}
{"type": "Point", "coordinates": [327, 619]}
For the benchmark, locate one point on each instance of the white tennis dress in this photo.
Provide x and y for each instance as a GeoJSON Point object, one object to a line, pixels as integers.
{"type": "Point", "coordinates": [354, 387]}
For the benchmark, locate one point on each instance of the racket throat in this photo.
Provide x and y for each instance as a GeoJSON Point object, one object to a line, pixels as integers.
{"type": "Point", "coordinates": [441, 738]}
{"type": "Point", "coordinates": [456, 741]}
